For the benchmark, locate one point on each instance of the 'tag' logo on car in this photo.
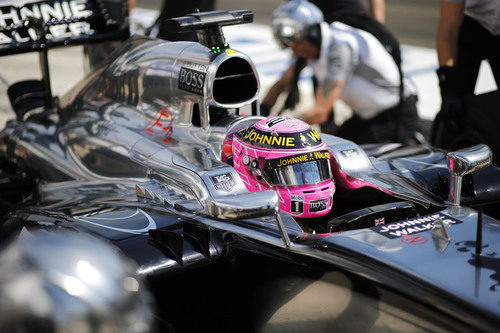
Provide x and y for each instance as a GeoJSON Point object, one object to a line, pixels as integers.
{"type": "Point", "coordinates": [224, 182]}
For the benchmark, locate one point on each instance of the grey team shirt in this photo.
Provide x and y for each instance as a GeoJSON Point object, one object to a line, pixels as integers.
{"type": "Point", "coordinates": [485, 12]}
{"type": "Point", "coordinates": [371, 75]}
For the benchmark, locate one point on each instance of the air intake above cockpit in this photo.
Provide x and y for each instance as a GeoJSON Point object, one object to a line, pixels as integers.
{"type": "Point", "coordinates": [235, 82]}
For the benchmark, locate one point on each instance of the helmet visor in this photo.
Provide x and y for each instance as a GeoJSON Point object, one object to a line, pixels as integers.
{"type": "Point", "coordinates": [285, 32]}
{"type": "Point", "coordinates": [305, 173]}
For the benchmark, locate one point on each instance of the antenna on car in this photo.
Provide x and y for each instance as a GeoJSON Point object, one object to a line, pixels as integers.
{"type": "Point", "coordinates": [479, 235]}
{"type": "Point", "coordinates": [208, 25]}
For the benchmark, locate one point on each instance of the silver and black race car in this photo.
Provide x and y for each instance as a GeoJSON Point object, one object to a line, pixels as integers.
{"type": "Point", "coordinates": [132, 155]}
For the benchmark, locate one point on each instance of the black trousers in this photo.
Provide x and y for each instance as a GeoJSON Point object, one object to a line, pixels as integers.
{"type": "Point", "coordinates": [401, 121]}
{"type": "Point", "coordinates": [475, 44]}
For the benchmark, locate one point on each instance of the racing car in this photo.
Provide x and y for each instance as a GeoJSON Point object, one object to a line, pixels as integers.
{"type": "Point", "coordinates": [139, 153]}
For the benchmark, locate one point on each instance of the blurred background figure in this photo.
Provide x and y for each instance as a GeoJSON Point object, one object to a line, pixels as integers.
{"type": "Point", "coordinates": [354, 14]}
{"type": "Point", "coordinates": [343, 10]}
{"type": "Point", "coordinates": [468, 33]}
{"type": "Point", "coordinates": [336, 10]}
{"type": "Point", "coordinates": [377, 8]}
{"type": "Point", "coordinates": [68, 282]}
{"type": "Point", "coordinates": [350, 64]}
{"type": "Point", "coordinates": [96, 53]}
{"type": "Point", "coordinates": [178, 8]}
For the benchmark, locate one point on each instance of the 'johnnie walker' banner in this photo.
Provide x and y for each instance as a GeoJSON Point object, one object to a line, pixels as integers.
{"type": "Point", "coordinates": [64, 21]}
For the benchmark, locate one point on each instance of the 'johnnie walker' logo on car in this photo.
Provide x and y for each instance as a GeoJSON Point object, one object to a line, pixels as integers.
{"type": "Point", "coordinates": [224, 182]}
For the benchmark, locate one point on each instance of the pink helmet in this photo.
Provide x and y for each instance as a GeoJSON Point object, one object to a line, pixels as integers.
{"type": "Point", "coordinates": [288, 156]}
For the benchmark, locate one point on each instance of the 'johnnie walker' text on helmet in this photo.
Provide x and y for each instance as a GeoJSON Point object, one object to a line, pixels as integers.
{"type": "Point", "coordinates": [296, 20]}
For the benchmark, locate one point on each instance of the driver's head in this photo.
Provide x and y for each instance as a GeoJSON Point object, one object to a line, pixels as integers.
{"type": "Point", "coordinates": [288, 156]}
{"type": "Point", "coordinates": [296, 24]}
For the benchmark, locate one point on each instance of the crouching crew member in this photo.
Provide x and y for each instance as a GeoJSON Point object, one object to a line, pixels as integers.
{"type": "Point", "coordinates": [352, 65]}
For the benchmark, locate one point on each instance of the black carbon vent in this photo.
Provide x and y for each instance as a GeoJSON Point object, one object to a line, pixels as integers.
{"type": "Point", "coordinates": [235, 82]}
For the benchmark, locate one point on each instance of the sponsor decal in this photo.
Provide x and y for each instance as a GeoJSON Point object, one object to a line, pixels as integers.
{"type": "Point", "coordinates": [297, 203]}
{"type": "Point", "coordinates": [300, 158]}
{"type": "Point", "coordinates": [318, 205]}
{"type": "Point", "coordinates": [70, 13]}
{"type": "Point", "coordinates": [349, 154]}
{"type": "Point", "coordinates": [412, 226]}
{"type": "Point", "coordinates": [266, 138]}
{"type": "Point", "coordinates": [313, 135]}
{"type": "Point", "coordinates": [282, 140]}
{"type": "Point", "coordinates": [414, 239]}
{"type": "Point", "coordinates": [230, 52]}
{"type": "Point", "coordinates": [160, 123]}
{"type": "Point", "coordinates": [224, 182]}
{"type": "Point", "coordinates": [380, 221]}
{"type": "Point", "coordinates": [195, 66]}
{"type": "Point", "coordinates": [192, 77]}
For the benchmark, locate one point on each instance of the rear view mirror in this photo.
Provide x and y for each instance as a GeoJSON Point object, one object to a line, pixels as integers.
{"type": "Point", "coordinates": [248, 205]}
{"type": "Point", "coordinates": [463, 162]}
{"type": "Point", "coordinates": [242, 206]}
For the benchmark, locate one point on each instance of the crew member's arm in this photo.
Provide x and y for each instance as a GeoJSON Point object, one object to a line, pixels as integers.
{"type": "Point", "coordinates": [341, 61]}
{"type": "Point", "coordinates": [377, 8]}
{"type": "Point", "coordinates": [280, 86]}
{"type": "Point", "coordinates": [326, 95]}
{"type": "Point", "coordinates": [450, 19]}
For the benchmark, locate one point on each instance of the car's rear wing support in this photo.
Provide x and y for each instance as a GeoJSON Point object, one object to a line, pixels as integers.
{"type": "Point", "coordinates": [44, 65]}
